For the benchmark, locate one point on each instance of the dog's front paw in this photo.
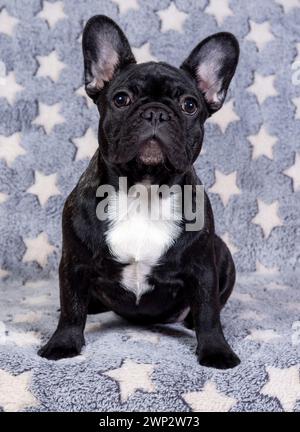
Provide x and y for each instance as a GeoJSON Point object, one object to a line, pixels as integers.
{"type": "Point", "coordinates": [219, 357]}
{"type": "Point", "coordinates": [64, 343]}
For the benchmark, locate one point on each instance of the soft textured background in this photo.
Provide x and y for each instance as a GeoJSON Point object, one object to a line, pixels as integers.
{"type": "Point", "coordinates": [250, 166]}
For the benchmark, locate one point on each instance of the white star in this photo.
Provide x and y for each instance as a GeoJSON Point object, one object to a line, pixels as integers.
{"type": "Point", "coordinates": [132, 376]}
{"type": "Point", "coordinates": [143, 54]}
{"type": "Point", "coordinates": [296, 102]}
{"type": "Point", "coordinates": [225, 185]}
{"type": "Point", "coordinates": [219, 9]}
{"type": "Point", "coordinates": [172, 18]}
{"type": "Point", "coordinates": [28, 318]}
{"type": "Point", "coordinates": [260, 33]}
{"type": "Point", "coordinates": [49, 116]}
{"type": "Point", "coordinates": [284, 384]}
{"type": "Point", "coordinates": [294, 173]}
{"type": "Point", "coordinates": [224, 116]}
{"type": "Point", "coordinates": [3, 273]}
{"type": "Point", "coordinates": [209, 399]}
{"type": "Point", "coordinates": [38, 300]}
{"type": "Point", "coordinates": [260, 268]}
{"type": "Point", "coordinates": [92, 327]}
{"type": "Point", "coordinates": [18, 338]}
{"type": "Point", "coordinates": [10, 88]}
{"type": "Point", "coordinates": [14, 393]}
{"type": "Point", "coordinates": [22, 339]}
{"type": "Point", "coordinates": [10, 147]}
{"type": "Point", "coordinates": [86, 145]}
{"type": "Point", "coordinates": [263, 87]}
{"type": "Point", "coordinates": [38, 249]}
{"type": "Point", "coordinates": [288, 5]}
{"type": "Point", "coordinates": [233, 249]}
{"type": "Point", "coordinates": [262, 143]}
{"type": "Point", "coordinates": [3, 196]}
{"type": "Point", "coordinates": [143, 336]}
{"type": "Point", "coordinates": [44, 187]}
{"type": "Point", "coordinates": [126, 5]}
{"type": "Point", "coordinates": [52, 12]}
{"type": "Point", "coordinates": [81, 92]}
{"type": "Point", "coordinates": [267, 217]}
{"type": "Point", "coordinates": [7, 23]}
{"type": "Point", "coordinates": [262, 335]}
{"type": "Point", "coordinates": [50, 66]}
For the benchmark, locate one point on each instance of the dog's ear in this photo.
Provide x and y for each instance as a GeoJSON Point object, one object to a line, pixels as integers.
{"type": "Point", "coordinates": [212, 64]}
{"type": "Point", "coordinates": [105, 50]}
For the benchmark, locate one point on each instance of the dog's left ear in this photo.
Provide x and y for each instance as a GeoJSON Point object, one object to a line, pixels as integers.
{"type": "Point", "coordinates": [212, 64]}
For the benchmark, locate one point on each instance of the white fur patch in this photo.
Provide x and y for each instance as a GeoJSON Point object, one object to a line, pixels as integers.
{"type": "Point", "coordinates": [137, 240]}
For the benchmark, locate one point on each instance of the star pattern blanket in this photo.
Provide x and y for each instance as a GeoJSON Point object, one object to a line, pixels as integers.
{"type": "Point", "coordinates": [250, 166]}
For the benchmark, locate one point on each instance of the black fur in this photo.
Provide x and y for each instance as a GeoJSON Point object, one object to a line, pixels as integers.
{"type": "Point", "coordinates": [197, 271]}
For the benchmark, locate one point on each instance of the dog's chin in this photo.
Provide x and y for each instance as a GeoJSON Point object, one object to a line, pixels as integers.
{"type": "Point", "coordinates": [150, 153]}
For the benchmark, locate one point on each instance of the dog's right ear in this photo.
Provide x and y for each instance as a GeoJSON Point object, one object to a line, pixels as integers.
{"type": "Point", "coordinates": [106, 50]}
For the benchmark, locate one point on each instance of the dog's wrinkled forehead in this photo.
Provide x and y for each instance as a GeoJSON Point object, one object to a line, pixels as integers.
{"type": "Point", "coordinates": [157, 80]}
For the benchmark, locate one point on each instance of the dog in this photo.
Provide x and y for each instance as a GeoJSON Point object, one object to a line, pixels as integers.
{"type": "Point", "coordinates": [151, 130]}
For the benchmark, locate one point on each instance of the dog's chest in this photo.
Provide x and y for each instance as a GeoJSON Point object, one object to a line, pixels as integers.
{"type": "Point", "coordinates": [138, 237]}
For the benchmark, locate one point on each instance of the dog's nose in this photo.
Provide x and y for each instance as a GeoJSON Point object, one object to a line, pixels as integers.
{"type": "Point", "coordinates": [155, 115]}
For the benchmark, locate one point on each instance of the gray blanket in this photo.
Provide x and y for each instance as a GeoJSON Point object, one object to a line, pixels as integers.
{"type": "Point", "coordinates": [250, 166]}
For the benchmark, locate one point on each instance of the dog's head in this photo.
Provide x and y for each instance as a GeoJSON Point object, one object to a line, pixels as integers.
{"type": "Point", "coordinates": [152, 114]}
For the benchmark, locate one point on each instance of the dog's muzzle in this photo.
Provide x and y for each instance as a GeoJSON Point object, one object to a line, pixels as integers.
{"type": "Point", "coordinates": [155, 117]}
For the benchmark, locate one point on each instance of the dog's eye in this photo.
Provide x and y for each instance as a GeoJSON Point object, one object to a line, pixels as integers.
{"type": "Point", "coordinates": [189, 105]}
{"type": "Point", "coordinates": [121, 99]}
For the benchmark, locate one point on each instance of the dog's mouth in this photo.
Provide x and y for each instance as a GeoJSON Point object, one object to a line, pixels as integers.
{"type": "Point", "coordinates": [151, 155]}
{"type": "Point", "coordinates": [150, 152]}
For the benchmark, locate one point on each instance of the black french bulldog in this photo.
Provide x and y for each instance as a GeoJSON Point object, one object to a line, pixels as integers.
{"type": "Point", "coordinates": [150, 132]}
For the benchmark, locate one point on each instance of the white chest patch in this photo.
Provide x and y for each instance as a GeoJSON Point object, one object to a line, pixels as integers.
{"type": "Point", "coordinates": [138, 237]}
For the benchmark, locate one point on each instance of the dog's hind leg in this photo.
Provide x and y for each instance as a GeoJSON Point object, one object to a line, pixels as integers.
{"type": "Point", "coordinates": [95, 306]}
{"type": "Point", "coordinates": [226, 270]}
{"type": "Point", "coordinates": [226, 274]}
